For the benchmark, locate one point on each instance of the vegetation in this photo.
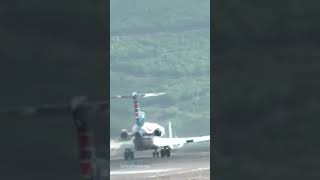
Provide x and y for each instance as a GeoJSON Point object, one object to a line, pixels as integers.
{"type": "Point", "coordinates": [153, 51]}
{"type": "Point", "coordinates": [145, 16]}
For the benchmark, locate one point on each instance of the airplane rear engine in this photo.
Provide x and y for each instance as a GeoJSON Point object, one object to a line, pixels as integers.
{"type": "Point", "coordinates": [157, 132]}
{"type": "Point", "coordinates": [124, 134]}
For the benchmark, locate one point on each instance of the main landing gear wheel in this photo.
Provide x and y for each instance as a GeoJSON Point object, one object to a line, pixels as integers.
{"type": "Point", "coordinates": [155, 154]}
{"type": "Point", "coordinates": [165, 152]}
{"type": "Point", "coordinates": [128, 154]}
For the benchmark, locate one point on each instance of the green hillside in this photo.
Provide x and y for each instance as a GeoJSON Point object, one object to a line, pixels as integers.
{"type": "Point", "coordinates": [161, 47]}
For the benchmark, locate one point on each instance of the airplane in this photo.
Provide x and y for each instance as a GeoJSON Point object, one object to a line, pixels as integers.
{"type": "Point", "coordinates": [150, 136]}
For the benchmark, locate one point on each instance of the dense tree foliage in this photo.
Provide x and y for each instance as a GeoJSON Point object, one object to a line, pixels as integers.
{"type": "Point", "coordinates": [161, 46]}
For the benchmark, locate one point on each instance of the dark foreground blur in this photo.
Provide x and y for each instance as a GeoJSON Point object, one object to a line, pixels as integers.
{"type": "Point", "coordinates": [266, 88]}
{"type": "Point", "coordinates": [50, 52]}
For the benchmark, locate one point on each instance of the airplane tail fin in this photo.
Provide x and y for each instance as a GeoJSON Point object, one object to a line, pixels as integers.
{"type": "Point", "coordinates": [170, 130]}
{"type": "Point", "coordinates": [139, 115]}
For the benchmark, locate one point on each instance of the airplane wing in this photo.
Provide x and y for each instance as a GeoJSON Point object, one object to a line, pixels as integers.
{"type": "Point", "coordinates": [117, 144]}
{"type": "Point", "coordinates": [176, 143]}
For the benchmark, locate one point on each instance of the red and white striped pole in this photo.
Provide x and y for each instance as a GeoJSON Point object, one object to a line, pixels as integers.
{"type": "Point", "coordinates": [85, 143]}
{"type": "Point", "coordinates": [86, 153]}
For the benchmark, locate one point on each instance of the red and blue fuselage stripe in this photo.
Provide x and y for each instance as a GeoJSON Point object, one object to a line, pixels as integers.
{"type": "Point", "coordinates": [136, 110]}
{"type": "Point", "coordinates": [138, 113]}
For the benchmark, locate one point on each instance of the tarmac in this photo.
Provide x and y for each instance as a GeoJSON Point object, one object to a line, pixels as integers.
{"type": "Point", "coordinates": [191, 162]}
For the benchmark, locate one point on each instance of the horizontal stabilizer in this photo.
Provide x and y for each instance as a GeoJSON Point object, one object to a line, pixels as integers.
{"type": "Point", "coordinates": [134, 94]}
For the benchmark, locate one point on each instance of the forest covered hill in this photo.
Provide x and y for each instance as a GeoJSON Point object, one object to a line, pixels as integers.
{"type": "Point", "coordinates": [163, 46]}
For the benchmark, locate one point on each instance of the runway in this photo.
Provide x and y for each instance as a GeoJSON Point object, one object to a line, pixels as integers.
{"type": "Point", "coordinates": [191, 162]}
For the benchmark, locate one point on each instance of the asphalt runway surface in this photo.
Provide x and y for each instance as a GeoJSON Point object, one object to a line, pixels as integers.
{"type": "Point", "coordinates": [190, 162]}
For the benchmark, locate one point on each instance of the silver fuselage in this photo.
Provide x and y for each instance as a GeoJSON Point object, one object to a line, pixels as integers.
{"type": "Point", "coordinates": [143, 142]}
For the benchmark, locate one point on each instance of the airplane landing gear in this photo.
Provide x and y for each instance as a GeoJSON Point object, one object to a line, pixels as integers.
{"type": "Point", "coordinates": [128, 154]}
{"type": "Point", "coordinates": [165, 152]}
{"type": "Point", "coordinates": [155, 153]}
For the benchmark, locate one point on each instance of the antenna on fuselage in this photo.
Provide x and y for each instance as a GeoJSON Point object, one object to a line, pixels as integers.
{"type": "Point", "coordinates": [170, 129]}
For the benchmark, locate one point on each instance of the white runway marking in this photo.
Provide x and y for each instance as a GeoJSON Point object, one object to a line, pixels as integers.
{"type": "Point", "coordinates": [180, 172]}
{"type": "Point", "coordinates": [143, 171]}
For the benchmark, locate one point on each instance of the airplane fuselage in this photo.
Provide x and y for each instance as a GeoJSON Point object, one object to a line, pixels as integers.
{"type": "Point", "coordinates": [149, 129]}
{"type": "Point", "coordinates": [143, 139]}
{"type": "Point", "coordinates": [143, 143]}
